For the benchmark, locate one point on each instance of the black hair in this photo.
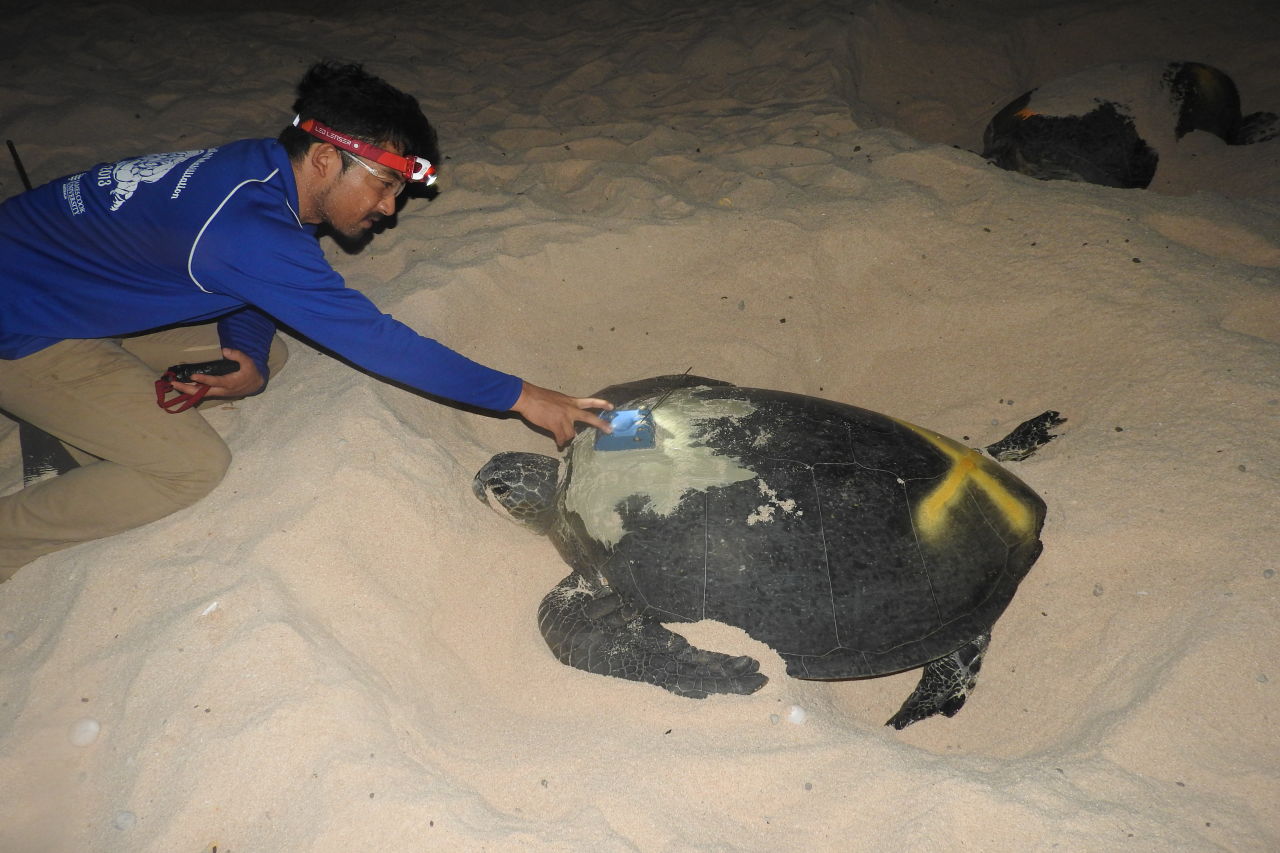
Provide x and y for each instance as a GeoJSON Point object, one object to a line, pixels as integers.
{"type": "Point", "coordinates": [348, 99]}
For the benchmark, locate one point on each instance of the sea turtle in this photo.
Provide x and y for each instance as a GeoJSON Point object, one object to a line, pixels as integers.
{"type": "Point", "coordinates": [1108, 125]}
{"type": "Point", "coordinates": [852, 543]}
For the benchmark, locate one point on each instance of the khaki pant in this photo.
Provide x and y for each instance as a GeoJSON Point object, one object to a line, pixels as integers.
{"type": "Point", "coordinates": [138, 462]}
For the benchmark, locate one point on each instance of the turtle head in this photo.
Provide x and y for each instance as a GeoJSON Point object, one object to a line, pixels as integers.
{"type": "Point", "coordinates": [521, 486]}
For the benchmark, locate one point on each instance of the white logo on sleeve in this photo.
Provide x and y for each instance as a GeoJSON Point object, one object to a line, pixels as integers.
{"type": "Point", "coordinates": [125, 176]}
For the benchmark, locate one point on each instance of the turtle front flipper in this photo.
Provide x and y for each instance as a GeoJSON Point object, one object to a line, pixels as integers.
{"type": "Point", "coordinates": [597, 631]}
{"type": "Point", "coordinates": [945, 684]}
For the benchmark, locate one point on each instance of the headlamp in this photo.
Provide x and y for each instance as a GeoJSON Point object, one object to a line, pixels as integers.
{"type": "Point", "coordinates": [416, 170]}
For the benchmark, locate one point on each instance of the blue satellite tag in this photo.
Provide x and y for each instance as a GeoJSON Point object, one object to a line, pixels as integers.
{"type": "Point", "coordinates": [632, 430]}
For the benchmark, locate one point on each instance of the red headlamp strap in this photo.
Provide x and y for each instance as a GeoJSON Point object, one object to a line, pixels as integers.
{"type": "Point", "coordinates": [413, 169]}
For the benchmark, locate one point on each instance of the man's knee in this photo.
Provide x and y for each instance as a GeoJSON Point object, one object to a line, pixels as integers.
{"type": "Point", "coordinates": [191, 473]}
{"type": "Point", "coordinates": [212, 467]}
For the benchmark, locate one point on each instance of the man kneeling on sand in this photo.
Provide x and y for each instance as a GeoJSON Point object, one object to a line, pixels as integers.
{"type": "Point", "coordinates": [207, 251]}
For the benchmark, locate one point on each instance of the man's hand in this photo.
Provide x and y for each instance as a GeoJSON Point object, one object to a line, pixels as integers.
{"type": "Point", "coordinates": [245, 381]}
{"type": "Point", "coordinates": [558, 413]}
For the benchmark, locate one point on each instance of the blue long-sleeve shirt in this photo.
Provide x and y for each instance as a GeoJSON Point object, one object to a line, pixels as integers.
{"type": "Point", "coordinates": [191, 236]}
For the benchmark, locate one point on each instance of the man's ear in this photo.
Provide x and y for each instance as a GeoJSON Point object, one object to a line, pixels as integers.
{"type": "Point", "coordinates": [323, 160]}
{"type": "Point", "coordinates": [316, 174]}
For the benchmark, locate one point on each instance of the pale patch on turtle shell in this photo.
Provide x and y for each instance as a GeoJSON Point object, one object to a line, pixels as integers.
{"type": "Point", "coordinates": [765, 511]}
{"type": "Point", "coordinates": [676, 466]}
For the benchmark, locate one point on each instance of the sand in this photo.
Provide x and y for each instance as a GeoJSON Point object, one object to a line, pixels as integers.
{"type": "Point", "coordinates": [337, 651]}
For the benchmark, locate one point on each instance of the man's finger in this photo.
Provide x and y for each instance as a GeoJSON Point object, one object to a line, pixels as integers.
{"type": "Point", "coordinates": [211, 379]}
{"type": "Point", "coordinates": [595, 421]}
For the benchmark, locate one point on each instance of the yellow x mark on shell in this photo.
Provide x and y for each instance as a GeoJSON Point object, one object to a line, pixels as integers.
{"type": "Point", "coordinates": [968, 468]}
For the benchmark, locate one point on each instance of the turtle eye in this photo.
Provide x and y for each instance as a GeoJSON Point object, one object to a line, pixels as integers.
{"type": "Point", "coordinates": [499, 489]}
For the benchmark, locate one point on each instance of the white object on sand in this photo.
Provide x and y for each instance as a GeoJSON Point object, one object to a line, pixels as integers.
{"type": "Point", "coordinates": [85, 731]}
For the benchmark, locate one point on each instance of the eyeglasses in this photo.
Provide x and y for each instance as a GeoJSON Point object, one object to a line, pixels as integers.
{"type": "Point", "coordinates": [394, 185]}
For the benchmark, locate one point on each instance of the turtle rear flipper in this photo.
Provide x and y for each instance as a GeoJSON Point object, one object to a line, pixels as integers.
{"type": "Point", "coordinates": [1257, 127]}
{"type": "Point", "coordinates": [944, 686]}
{"type": "Point", "coordinates": [1026, 438]}
{"type": "Point", "coordinates": [601, 634]}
